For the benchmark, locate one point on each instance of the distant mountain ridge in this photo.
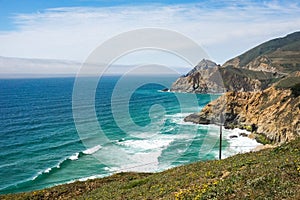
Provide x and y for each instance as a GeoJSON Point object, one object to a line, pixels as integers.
{"type": "Point", "coordinates": [254, 70]}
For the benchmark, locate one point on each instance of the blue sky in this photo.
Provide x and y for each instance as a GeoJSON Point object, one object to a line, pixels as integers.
{"type": "Point", "coordinates": [71, 30]}
{"type": "Point", "coordinates": [9, 8]}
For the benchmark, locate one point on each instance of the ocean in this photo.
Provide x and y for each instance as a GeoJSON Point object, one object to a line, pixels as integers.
{"type": "Point", "coordinates": [47, 139]}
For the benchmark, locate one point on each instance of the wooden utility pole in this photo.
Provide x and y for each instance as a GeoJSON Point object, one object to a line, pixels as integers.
{"type": "Point", "coordinates": [221, 123]}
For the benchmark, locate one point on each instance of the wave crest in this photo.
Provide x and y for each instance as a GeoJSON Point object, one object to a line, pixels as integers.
{"type": "Point", "coordinates": [92, 150]}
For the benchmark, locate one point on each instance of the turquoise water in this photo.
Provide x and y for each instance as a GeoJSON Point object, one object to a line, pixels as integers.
{"type": "Point", "coordinates": [40, 146]}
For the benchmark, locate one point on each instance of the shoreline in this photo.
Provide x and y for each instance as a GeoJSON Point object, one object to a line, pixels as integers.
{"type": "Point", "coordinates": [250, 135]}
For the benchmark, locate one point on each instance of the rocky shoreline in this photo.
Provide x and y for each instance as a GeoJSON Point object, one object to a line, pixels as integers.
{"type": "Point", "coordinates": [272, 115]}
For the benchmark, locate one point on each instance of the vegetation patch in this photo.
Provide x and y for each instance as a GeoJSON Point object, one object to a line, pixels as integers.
{"type": "Point", "coordinates": [296, 90]}
{"type": "Point", "coordinates": [288, 83]}
{"type": "Point", "coordinates": [263, 139]}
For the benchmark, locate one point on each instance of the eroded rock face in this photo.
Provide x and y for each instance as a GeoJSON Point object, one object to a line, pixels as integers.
{"type": "Point", "coordinates": [203, 78]}
{"type": "Point", "coordinates": [275, 113]}
{"type": "Point", "coordinates": [208, 77]}
{"type": "Point", "coordinates": [261, 63]}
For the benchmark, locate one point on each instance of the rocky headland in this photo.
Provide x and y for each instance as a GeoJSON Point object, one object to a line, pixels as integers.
{"type": "Point", "coordinates": [203, 78]}
{"type": "Point", "coordinates": [262, 90]}
{"type": "Point", "coordinates": [272, 113]}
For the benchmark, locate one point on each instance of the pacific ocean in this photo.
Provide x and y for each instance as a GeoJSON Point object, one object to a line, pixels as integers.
{"type": "Point", "coordinates": [40, 145]}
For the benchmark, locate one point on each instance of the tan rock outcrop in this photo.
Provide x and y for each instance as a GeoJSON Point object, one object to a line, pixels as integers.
{"type": "Point", "coordinates": [274, 113]}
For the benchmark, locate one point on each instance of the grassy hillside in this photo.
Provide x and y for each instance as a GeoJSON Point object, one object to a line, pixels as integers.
{"type": "Point", "coordinates": [280, 53]}
{"type": "Point", "coordinates": [268, 174]}
{"type": "Point", "coordinates": [289, 43]}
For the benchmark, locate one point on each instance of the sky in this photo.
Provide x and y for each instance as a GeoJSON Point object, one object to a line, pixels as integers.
{"type": "Point", "coordinates": [72, 29]}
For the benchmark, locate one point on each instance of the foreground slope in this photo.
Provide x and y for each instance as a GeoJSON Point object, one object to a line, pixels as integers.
{"type": "Point", "coordinates": [267, 174]}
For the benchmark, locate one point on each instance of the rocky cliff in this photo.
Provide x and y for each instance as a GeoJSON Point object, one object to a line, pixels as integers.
{"type": "Point", "coordinates": [273, 113]}
{"type": "Point", "coordinates": [203, 78]}
{"type": "Point", "coordinates": [212, 78]}
{"type": "Point", "coordinates": [263, 87]}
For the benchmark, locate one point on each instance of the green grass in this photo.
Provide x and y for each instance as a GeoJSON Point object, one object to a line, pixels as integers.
{"type": "Point", "coordinates": [292, 83]}
{"type": "Point", "coordinates": [268, 174]}
{"type": "Point", "coordinates": [283, 53]}
{"type": "Point", "coordinates": [262, 139]}
{"type": "Point", "coordinates": [289, 43]}
{"type": "Point", "coordinates": [288, 82]}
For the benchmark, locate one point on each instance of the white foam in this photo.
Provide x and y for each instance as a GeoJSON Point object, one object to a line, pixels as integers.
{"type": "Point", "coordinates": [179, 115]}
{"type": "Point", "coordinates": [235, 132]}
{"type": "Point", "coordinates": [148, 144]}
{"type": "Point", "coordinates": [145, 153]}
{"type": "Point", "coordinates": [178, 118]}
{"type": "Point", "coordinates": [238, 144]}
{"type": "Point", "coordinates": [33, 178]}
{"type": "Point", "coordinates": [111, 169]}
{"type": "Point", "coordinates": [48, 170]}
{"type": "Point", "coordinates": [90, 177]}
{"type": "Point", "coordinates": [171, 128]}
{"type": "Point", "coordinates": [41, 172]}
{"type": "Point", "coordinates": [74, 156]}
{"type": "Point", "coordinates": [92, 150]}
{"type": "Point", "coordinates": [86, 178]}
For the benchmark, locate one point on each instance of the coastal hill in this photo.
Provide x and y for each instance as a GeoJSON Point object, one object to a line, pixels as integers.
{"type": "Point", "coordinates": [254, 70]}
{"type": "Point", "coordinates": [281, 55]}
{"type": "Point", "coordinates": [263, 87]}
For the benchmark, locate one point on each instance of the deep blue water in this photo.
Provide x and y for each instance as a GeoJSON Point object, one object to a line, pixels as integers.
{"type": "Point", "coordinates": [40, 145]}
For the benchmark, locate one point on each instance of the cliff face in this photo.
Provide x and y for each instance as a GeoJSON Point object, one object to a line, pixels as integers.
{"type": "Point", "coordinates": [217, 79]}
{"type": "Point", "coordinates": [274, 113]}
{"type": "Point", "coordinates": [239, 79]}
